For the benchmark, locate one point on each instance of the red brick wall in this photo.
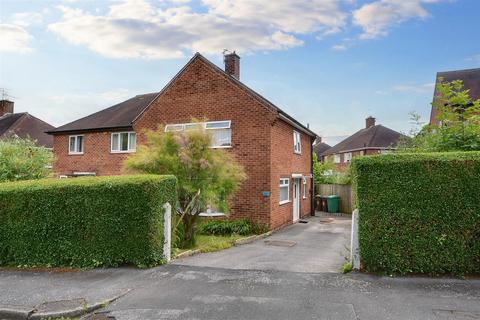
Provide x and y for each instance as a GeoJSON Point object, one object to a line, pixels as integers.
{"type": "Point", "coordinates": [201, 92]}
{"type": "Point", "coordinates": [342, 166]}
{"type": "Point", "coordinates": [96, 155]}
{"type": "Point", "coordinates": [284, 163]}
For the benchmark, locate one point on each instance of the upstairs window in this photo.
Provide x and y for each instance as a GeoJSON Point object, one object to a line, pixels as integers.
{"type": "Point", "coordinates": [221, 131]}
{"type": "Point", "coordinates": [124, 142]}
{"type": "Point", "coordinates": [75, 145]}
{"type": "Point", "coordinates": [297, 142]}
{"type": "Point", "coordinates": [347, 157]}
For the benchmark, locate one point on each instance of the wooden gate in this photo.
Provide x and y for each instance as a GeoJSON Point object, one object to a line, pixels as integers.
{"type": "Point", "coordinates": [344, 191]}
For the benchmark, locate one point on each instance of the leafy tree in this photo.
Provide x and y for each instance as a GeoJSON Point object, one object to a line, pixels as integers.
{"type": "Point", "coordinates": [325, 173]}
{"type": "Point", "coordinates": [459, 123]}
{"type": "Point", "coordinates": [206, 177]}
{"type": "Point", "coordinates": [21, 159]}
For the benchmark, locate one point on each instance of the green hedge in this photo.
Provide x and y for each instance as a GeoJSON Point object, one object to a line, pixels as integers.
{"type": "Point", "coordinates": [419, 213]}
{"type": "Point", "coordinates": [84, 222]}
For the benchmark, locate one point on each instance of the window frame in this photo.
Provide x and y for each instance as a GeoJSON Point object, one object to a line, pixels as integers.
{"type": "Point", "coordinates": [76, 136]}
{"type": "Point", "coordinates": [287, 185]}
{"type": "Point", "coordinates": [345, 160]}
{"type": "Point", "coordinates": [175, 127]}
{"type": "Point", "coordinates": [304, 191]}
{"type": "Point", "coordinates": [119, 133]}
{"type": "Point", "coordinates": [335, 155]}
{"type": "Point", "coordinates": [297, 140]}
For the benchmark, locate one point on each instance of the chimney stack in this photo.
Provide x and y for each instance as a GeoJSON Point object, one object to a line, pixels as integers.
{"type": "Point", "coordinates": [369, 122]}
{"type": "Point", "coordinates": [232, 64]}
{"type": "Point", "coordinates": [6, 106]}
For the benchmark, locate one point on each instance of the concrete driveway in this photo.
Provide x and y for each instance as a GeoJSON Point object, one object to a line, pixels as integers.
{"type": "Point", "coordinates": [320, 245]}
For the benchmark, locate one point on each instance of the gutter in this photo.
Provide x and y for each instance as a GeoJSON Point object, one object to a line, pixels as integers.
{"type": "Point", "coordinates": [295, 124]}
{"type": "Point", "coordinates": [104, 129]}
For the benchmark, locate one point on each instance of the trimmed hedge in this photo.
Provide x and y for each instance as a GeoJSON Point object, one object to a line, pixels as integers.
{"type": "Point", "coordinates": [226, 227]}
{"type": "Point", "coordinates": [84, 222]}
{"type": "Point", "coordinates": [419, 213]}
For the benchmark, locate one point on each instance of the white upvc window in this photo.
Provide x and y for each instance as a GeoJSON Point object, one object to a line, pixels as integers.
{"type": "Point", "coordinates": [123, 142]}
{"type": "Point", "coordinates": [284, 190]}
{"type": "Point", "coordinates": [336, 158]}
{"type": "Point", "coordinates": [75, 144]}
{"type": "Point", "coordinates": [347, 157]}
{"type": "Point", "coordinates": [385, 151]}
{"type": "Point", "coordinates": [221, 131]}
{"type": "Point", "coordinates": [297, 142]}
{"type": "Point", "coordinates": [304, 194]}
{"type": "Point", "coordinates": [362, 152]}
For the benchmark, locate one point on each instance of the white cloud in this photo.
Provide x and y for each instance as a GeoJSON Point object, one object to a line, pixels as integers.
{"type": "Point", "coordinates": [378, 17]}
{"type": "Point", "coordinates": [474, 58]}
{"type": "Point", "coordinates": [26, 19]}
{"type": "Point", "coordinates": [339, 47]}
{"type": "Point", "coordinates": [139, 29]}
{"type": "Point", "coordinates": [14, 39]}
{"type": "Point", "coordinates": [420, 88]}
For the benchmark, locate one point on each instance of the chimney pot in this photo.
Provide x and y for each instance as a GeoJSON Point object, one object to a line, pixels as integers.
{"type": "Point", "coordinates": [232, 64]}
{"type": "Point", "coordinates": [369, 122]}
{"type": "Point", "coordinates": [6, 106]}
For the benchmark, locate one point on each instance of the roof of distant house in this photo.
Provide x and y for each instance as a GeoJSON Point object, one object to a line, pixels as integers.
{"type": "Point", "coordinates": [25, 125]}
{"type": "Point", "coordinates": [374, 137]}
{"type": "Point", "coordinates": [124, 114]}
{"type": "Point", "coordinates": [469, 77]}
{"type": "Point", "coordinates": [320, 148]}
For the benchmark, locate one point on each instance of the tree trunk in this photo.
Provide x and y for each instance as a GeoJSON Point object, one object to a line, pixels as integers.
{"type": "Point", "coordinates": [189, 228]}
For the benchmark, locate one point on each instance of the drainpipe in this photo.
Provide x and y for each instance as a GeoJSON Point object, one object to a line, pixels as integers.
{"type": "Point", "coordinates": [312, 187]}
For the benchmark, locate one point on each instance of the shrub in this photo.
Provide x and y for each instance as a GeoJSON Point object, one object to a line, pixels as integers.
{"type": "Point", "coordinates": [21, 159]}
{"type": "Point", "coordinates": [227, 227]}
{"type": "Point", "coordinates": [419, 213]}
{"type": "Point", "coordinates": [84, 222]}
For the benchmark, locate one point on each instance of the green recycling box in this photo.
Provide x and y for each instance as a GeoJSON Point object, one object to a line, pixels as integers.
{"type": "Point", "coordinates": [333, 203]}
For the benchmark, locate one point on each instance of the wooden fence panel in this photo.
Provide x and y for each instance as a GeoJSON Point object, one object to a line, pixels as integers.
{"type": "Point", "coordinates": [341, 190]}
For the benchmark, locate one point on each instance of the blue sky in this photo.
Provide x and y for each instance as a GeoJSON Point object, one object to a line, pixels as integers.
{"type": "Point", "coordinates": [329, 63]}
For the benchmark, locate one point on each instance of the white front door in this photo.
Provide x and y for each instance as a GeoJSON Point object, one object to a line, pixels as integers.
{"type": "Point", "coordinates": [296, 199]}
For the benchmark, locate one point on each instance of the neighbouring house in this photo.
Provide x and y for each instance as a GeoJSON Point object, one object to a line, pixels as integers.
{"type": "Point", "coordinates": [470, 79]}
{"type": "Point", "coordinates": [274, 148]}
{"type": "Point", "coordinates": [23, 125]}
{"type": "Point", "coordinates": [373, 139]}
{"type": "Point", "coordinates": [319, 148]}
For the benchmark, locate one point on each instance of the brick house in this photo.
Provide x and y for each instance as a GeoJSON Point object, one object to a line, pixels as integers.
{"type": "Point", "coordinates": [373, 139]}
{"type": "Point", "coordinates": [274, 148]}
{"type": "Point", "coordinates": [470, 79]}
{"type": "Point", "coordinates": [23, 125]}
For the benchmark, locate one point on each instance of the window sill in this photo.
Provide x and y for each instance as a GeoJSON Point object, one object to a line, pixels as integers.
{"type": "Point", "coordinates": [222, 147]}
{"type": "Point", "coordinates": [284, 202]}
{"type": "Point", "coordinates": [75, 153]}
{"type": "Point", "coordinates": [127, 151]}
{"type": "Point", "coordinates": [213, 214]}
{"type": "Point", "coordinates": [299, 153]}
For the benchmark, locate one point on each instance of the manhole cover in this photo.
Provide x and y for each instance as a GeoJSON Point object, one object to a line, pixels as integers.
{"type": "Point", "coordinates": [280, 243]}
{"type": "Point", "coordinates": [456, 314]}
{"type": "Point", "coordinates": [326, 220]}
{"type": "Point", "coordinates": [51, 306]}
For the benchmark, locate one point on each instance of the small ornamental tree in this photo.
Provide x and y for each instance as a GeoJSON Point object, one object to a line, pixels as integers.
{"type": "Point", "coordinates": [207, 177]}
{"type": "Point", "coordinates": [21, 159]}
{"type": "Point", "coordinates": [459, 123]}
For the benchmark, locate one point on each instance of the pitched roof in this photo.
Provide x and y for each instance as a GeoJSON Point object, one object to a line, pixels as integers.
{"type": "Point", "coordinates": [470, 78]}
{"type": "Point", "coordinates": [8, 120]}
{"type": "Point", "coordinates": [376, 136]}
{"type": "Point", "coordinates": [120, 115]}
{"type": "Point", "coordinates": [320, 148]}
{"type": "Point", "coordinates": [25, 125]}
{"type": "Point", "coordinates": [124, 114]}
